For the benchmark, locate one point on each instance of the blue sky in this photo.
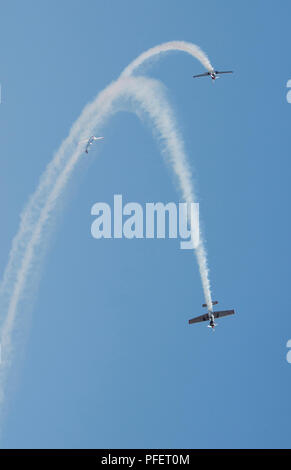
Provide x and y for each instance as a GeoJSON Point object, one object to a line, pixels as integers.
{"type": "Point", "coordinates": [110, 360]}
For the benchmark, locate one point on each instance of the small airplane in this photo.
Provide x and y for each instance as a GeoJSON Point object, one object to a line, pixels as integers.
{"type": "Point", "coordinates": [214, 74]}
{"type": "Point", "coordinates": [210, 316]}
{"type": "Point", "coordinates": [90, 142]}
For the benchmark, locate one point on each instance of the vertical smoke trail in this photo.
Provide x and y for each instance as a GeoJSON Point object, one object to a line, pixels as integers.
{"type": "Point", "coordinates": [186, 182]}
{"type": "Point", "coordinates": [149, 96]}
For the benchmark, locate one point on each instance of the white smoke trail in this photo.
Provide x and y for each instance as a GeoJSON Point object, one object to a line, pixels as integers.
{"type": "Point", "coordinates": [183, 46]}
{"type": "Point", "coordinates": [148, 94]}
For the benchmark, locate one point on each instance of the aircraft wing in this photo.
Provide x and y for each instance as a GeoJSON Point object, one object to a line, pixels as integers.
{"type": "Point", "coordinates": [204, 317]}
{"type": "Point", "coordinates": [227, 71]}
{"type": "Point", "coordinates": [201, 75]}
{"type": "Point", "coordinates": [223, 313]}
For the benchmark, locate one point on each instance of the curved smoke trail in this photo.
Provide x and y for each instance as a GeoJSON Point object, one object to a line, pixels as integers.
{"type": "Point", "coordinates": [183, 46]}
{"type": "Point", "coordinates": [150, 98]}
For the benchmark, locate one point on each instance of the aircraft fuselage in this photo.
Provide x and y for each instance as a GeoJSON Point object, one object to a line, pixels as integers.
{"type": "Point", "coordinates": [211, 320]}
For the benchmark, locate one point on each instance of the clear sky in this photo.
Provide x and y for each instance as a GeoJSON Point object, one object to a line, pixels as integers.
{"type": "Point", "coordinates": [110, 360]}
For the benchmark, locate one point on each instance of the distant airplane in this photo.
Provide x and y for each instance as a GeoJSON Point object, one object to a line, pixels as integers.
{"type": "Point", "coordinates": [214, 74]}
{"type": "Point", "coordinates": [90, 142]}
{"type": "Point", "coordinates": [210, 316]}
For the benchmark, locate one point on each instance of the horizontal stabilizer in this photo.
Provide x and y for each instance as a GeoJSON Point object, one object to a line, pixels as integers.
{"type": "Point", "coordinates": [214, 302]}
